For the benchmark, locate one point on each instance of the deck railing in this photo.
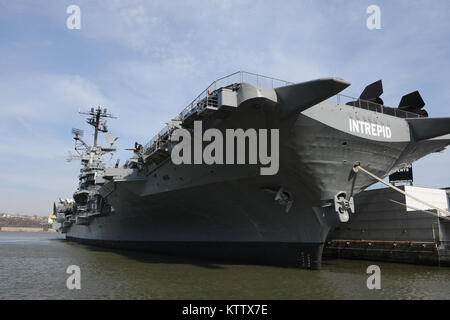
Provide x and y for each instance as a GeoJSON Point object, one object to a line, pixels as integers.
{"type": "Point", "coordinates": [373, 106]}
{"type": "Point", "coordinates": [234, 78]}
{"type": "Point", "coordinates": [269, 82]}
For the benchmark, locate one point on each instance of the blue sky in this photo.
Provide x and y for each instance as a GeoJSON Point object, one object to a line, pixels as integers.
{"type": "Point", "coordinates": [146, 60]}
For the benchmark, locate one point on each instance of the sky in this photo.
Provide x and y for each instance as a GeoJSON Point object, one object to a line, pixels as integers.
{"type": "Point", "coordinates": [146, 60]}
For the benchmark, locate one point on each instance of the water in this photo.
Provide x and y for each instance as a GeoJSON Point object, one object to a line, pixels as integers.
{"type": "Point", "coordinates": [33, 266]}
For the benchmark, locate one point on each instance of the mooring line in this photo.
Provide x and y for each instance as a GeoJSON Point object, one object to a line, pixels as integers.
{"type": "Point", "coordinates": [444, 213]}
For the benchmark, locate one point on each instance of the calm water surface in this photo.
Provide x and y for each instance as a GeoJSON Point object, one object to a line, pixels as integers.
{"type": "Point", "coordinates": [33, 266]}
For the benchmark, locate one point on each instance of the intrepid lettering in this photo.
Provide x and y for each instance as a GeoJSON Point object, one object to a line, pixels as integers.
{"type": "Point", "coordinates": [371, 129]}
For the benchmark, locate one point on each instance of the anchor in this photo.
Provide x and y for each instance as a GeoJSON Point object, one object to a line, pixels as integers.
{"type": "Point", "coordinates": [342, 206]}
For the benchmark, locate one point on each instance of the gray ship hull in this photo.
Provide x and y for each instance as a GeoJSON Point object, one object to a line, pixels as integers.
{"type": "Point", "coordinates": [230, 211]}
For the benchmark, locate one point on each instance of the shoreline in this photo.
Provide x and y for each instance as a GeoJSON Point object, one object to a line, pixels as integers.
{"type": "Point", "coordinates": [26, 229]}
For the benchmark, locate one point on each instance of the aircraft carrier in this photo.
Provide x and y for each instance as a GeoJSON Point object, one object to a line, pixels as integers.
{"type": "Point", "coordinates": [234, 211]}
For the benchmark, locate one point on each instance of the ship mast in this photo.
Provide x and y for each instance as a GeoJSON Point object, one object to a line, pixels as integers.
{"type": "Point", "coordinates": [94, 120]}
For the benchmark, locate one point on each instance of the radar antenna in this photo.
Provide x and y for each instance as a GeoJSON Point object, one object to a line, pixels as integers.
{"type": "Point", "coordinates": [110, 138]}
{"type": "Point", "coordinates": [80, 145]}
{"type": "Point", "coordinates": [94, 120]}
{"type": "Point", "coordinates": [77, 132]}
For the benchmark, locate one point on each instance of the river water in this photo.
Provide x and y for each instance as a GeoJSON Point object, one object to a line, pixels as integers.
{"type": "Point", "coordinates": [34, 265]}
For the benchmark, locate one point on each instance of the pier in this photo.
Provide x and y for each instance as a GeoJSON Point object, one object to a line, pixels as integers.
{"type": "Point", "coordinates": [384, 229]}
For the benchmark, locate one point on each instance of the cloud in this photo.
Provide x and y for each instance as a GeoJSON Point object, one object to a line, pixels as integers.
{"type": "Point", "coordinates": [146, 60]}
{"type": "Point", "coordinates": [131, 24]}
{"type": "Point", "coordinates": [46, 97]}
